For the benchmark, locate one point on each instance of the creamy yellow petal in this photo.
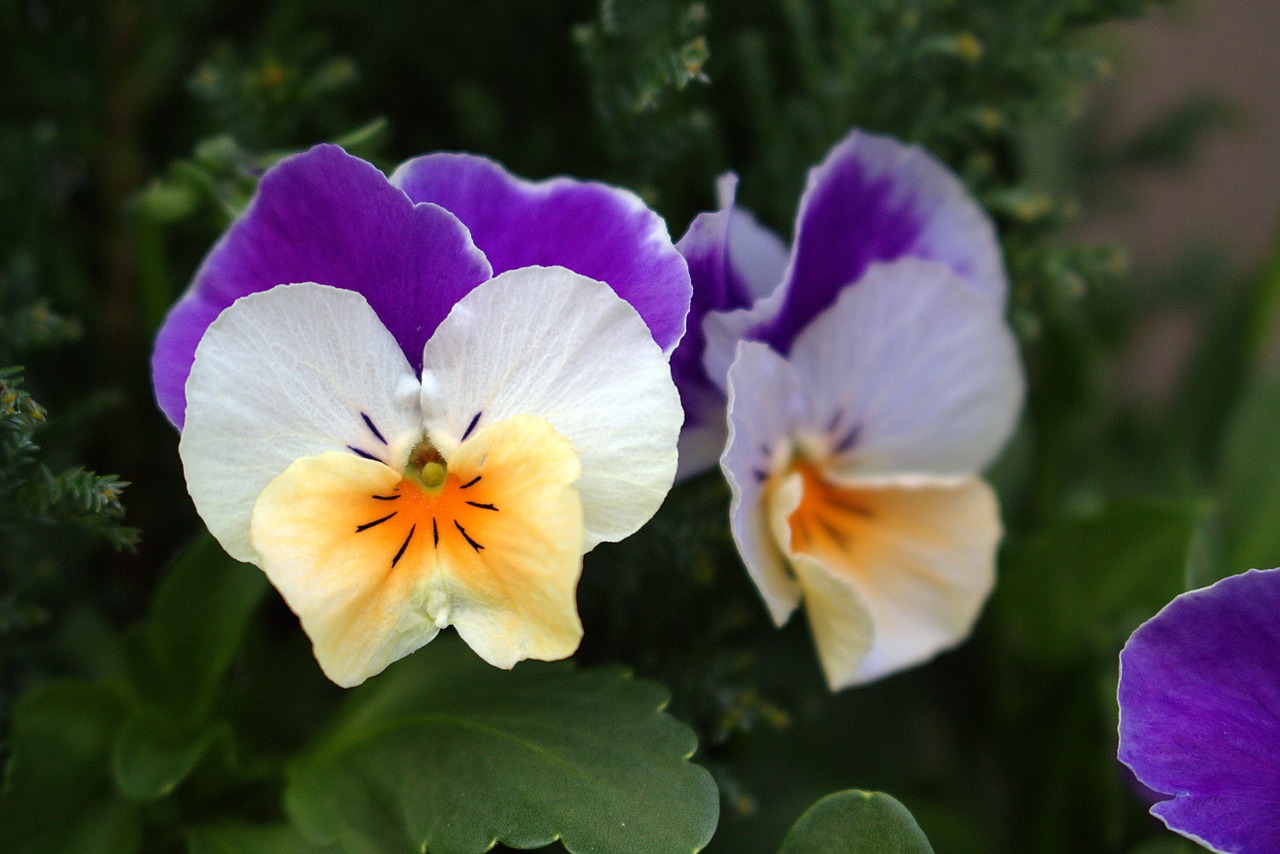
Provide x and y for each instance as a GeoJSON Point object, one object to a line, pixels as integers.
{"type": "Point", "coordinates": [329, 532]}
{"type": "Point", "coordinates": [511, 554]}
{"type": "Point", "coordinates": [375, 564]}
{"type": "Point", "coordinates": [920, 560]}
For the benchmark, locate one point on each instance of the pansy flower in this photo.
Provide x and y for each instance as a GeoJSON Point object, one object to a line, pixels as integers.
{"type": "Point", "coordinates": [865, 395]}
{"type": "Point", "coordinates": [871, 200]}
{"type": "Point", "coordinates": [417, 402]}
{"type": "Point", "coordinates": [1199, 694]}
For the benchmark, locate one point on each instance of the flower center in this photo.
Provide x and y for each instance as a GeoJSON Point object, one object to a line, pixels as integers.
{"type": "Point", "coordinates": [829, 516]}
{"type": "Point", "coordinates": [427, 466]}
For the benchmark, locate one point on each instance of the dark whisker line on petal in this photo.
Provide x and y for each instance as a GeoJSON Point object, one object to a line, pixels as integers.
{"type": "Point", "coordinates": [761, 476]}
{"type": "Point", "coordinates": [840, 503]}
{"type": "Point", "coordinates": [372, 428]}
{"type": "Point", "coordinates": [435, 534]}
{"type": "Point", "coordinates": [359, 453]}
{"type": "Point", "coordinates": [470, 427]}
{"type": "Point", "coordinates": [841, 538]}
{"type": "Point", "coordinates": [470, 483]}
{"type": "Point", "coordinates": [386, 497]}
{"type": "Point", "coordinates": [483, 506]}
{"type": "Point", "coordinates": [835, 421]}
{"type": "Point", "coordinates": [466, 536]}
{"type": "Point", "coordinates": [850, 439]}
{"type": "Point", "coordinates": [367, 525]}
{"type": "Point", "coordinates": [395, 560]}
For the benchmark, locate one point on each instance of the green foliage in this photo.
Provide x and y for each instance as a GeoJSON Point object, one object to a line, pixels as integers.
{"type": "Point", "coordinates": [855, 822]}
{"type": "Point", "coordinates": [1081, 585]}
{"type": "Point", "coordinates": [1251, 480]}
{"type": "Point", "coordinates": [446, 754]}
{"type": "Point", "coordinates": [59, 796]}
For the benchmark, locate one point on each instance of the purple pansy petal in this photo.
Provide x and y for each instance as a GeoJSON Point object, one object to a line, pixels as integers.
{"type": "Point", "coordinates": [876, 199]}
{"type": "Point", "coordinates": [598, 231]}
{"type": "Point", "coordinates": [733, 261]}
{"type": "Point", "coordinates": [327, 217]}
{"type": "Point", "coordinates": [1199, 694]}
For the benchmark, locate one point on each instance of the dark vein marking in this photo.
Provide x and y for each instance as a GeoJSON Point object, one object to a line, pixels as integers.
{"type": "Point", "coordinates": [359, 453]}
{"type": "Point", "coordinates": [369, 423]}
{"type": "Point", "coordinates": [367, 525]}
{"type": "Point", "coordinates": [395, 560]}
{"type": "Point", "coordinates": [466, 536]}
{"type": "Point", "coordinates": [841, 538]}
{"type": "Point", "coordinates": [835, 421]}
{"type": "Point", "coordinates": [386, 497]}
{"type": "Point", "coordinates": [483, 506]}
{"type": "Point", "coordinates": [435, 534]}
{"type": "Point", "coordinates": [850, 439]}
{"type": "Point", "coordinates": [470, 427]}
{"type": "Point", "coordinates": [470, 483]}
{"type": "Point", "coordinates": [761, 476]}
{"type": "Point", "coordinates": [839, 502]}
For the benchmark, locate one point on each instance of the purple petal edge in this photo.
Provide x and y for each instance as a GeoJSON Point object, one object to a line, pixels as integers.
{"type": "Point", "coordinates": [876, 199]}
{"type": "Point", "coordinates": [593, 229]}
{"type": "Point", "coordinates": [325, 216]}
{"type": "Point", "coordinates": [1199, 693]}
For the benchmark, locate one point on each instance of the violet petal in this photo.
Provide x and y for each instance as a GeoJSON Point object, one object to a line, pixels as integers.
{"type": "Point", "coordinates": [325, 216]}
{"type": "Point", "coordinates": [1199, 698]}
{"type": "Point", "coordinates": [602, 232]}
{"type": "Point", "coordinates": [876, 199]}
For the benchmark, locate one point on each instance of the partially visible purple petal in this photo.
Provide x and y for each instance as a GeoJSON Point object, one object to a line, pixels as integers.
{"type": "Point", "coordinates": [733, 261]}
{"type": "Point", "coordinates": [876, 199]}
{"type": "Point", "coordinates": [1200, 712]}
{"type": "Point", "coordinates": [602, 232]}
{"type": "Point", "coordinates": [325, 216]}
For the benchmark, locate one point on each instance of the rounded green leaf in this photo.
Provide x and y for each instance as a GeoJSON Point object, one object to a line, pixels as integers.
{"type": "Point", "coordinates": [856, 822]}
{"type": "Point", "coordinates": [444, 754]}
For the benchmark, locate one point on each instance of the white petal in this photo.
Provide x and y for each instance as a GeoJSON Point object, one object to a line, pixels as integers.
{"type": "Point", "coordinates": [764, 404]}
{"type": "Point", "coordinates": [911, 371]}
{"type": "Point", "coordinates": [548, 342]}
{"type": "Point", "coordinates": [284, 374]}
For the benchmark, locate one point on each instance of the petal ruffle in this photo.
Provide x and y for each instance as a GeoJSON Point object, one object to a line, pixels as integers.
{"type": "Point", "coordinates": [325, 216]}
{"type": "Point", "coordinates": [548, 342]}
{"type": "Point", "coordinates": [598, 231]}
{"type": "Point", "coordinates": [876, 199]}
{"type": "Point", "coordinates": [1198, 697]}
{"type": "Point", "coordinates": [764, 408]}
{"type": "Point", "coordinates": [909, 373]}
{"type": "Point", "coordinates": [287, 373]}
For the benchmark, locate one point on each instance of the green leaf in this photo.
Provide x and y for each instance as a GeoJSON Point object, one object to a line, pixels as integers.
{"type": "Point", "coordinates": [856, 822]}
{"type": "Point", "coordinates": [1250, 481]}
{"type": "Point", "coordinates": [152, 754]}
{"type": "Point", "coordinates": [232, 838]}
{"type": "Point", "coordinates": [443, 753]}
{"type": "Point", "coordinates": [198, 619]}
{"type": "Point", "coordinates": [59, 796]}
{"type": "Point", "coordinates": [1084, 583]}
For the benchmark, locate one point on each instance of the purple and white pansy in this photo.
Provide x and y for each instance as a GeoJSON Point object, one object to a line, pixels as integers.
{"type": "Point", "coordinates": [865, 394]}
{"type": "Point", "coordinates": [1199, 695]}
{"type": "Point", "coordinates": [418, 402]}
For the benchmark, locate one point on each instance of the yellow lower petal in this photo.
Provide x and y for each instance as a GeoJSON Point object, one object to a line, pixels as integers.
{"type": "Point", "coordinates": [919, 561]}
{"type": "Point", "coordinates": [374, 564]}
